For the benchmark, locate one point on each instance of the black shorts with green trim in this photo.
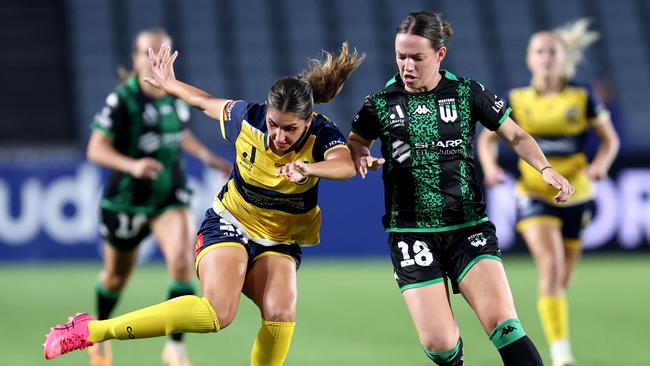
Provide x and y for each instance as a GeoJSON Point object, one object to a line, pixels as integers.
{"type": "Point", "coordinates": [215, 230]}
{"type": "Point", "coordinates": [125, 226]}
{"type": "Point", "coordinates": [422, 259]}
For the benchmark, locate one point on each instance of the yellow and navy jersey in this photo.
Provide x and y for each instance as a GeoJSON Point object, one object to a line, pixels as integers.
{"type": "Point", "coordinates": [270, 209]}
{"type": "Point", "coordinates": [559, 124]}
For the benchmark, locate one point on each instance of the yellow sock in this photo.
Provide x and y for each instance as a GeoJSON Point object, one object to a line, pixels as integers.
{"type": "Point", "coordinates": [272, 343]}
{"type": "Point", "coordinates": [554, 313]}
{"type": "Point", "coordinates": [184, 314]}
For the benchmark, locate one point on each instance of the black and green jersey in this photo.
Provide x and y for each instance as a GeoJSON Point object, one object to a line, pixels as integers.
{"type": "Point", "coordinates": [426, 138]}
{"type": "Point", "coordinates": [143, 127]}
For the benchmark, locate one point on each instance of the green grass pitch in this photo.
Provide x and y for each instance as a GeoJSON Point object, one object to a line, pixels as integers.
{"type": "Point", "coordinates": [349, 313]}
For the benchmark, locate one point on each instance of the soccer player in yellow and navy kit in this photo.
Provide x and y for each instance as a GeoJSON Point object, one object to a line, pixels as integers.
{"type": "Point", "coordinates": [558, 113]}
{"type": "Point", "coordinates": [250, 239]}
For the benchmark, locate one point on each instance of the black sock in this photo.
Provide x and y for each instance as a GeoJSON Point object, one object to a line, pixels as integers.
{"type": "Point", "coordinates": [177, 289]}
{"type": "Point", "coordinates": [106, 301]}
{"type": "Point", "coordinates": [521, 352]}
{"type": "Point", "coordinates": [514, 346]}
{"type": "Point", "coordinates": [452, 357]}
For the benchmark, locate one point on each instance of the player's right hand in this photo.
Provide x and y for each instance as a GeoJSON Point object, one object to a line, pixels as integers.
{"type": "Point", "coordinates": [146, 168]}
{"type": "Point", "coordinates": [368, 162]}
{"type": "Point", "coordinates": [555, 179]}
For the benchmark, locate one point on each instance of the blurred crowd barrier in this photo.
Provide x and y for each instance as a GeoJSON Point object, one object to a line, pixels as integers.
{"type": "Point", "coordinates": [49, 211]}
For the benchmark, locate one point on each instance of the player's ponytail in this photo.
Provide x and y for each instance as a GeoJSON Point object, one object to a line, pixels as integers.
{"type": "Point", "coordinates": [320, 83]}
{"type": "Point", "coordinates": [575, 37]}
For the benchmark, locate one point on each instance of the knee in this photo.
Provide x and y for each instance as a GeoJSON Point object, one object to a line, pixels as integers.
{"type": "Point", "coordinates": [225, 309]}
{"type": "Point", "coordinates": [180, 264]}
{"type": "Point", "coordinates": [439, 341]}
{"type": "Point", "coordinates": [275, 311]}
{"type": "Point", "coordinates": [113, 281]}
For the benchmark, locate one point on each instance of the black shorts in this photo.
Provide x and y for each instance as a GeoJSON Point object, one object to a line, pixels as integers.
{"type": "Point", "coordinates": [215, 231]}
{"type": "Point", "coordinates": [571, 219]}
{"type": "Point", "coordinates": [422, 259]}
{"type": "Point", "coordinates": [125, 231]}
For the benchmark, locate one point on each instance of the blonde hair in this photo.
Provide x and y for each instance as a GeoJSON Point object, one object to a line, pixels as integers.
{"type": "Point", "coordinates": [575, 37]}
{"type": "Point", "coordinates": [326, 77]}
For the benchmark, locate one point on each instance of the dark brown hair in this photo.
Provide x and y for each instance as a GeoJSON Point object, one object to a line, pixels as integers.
{"type": "Point", "coordinates": [320, 83]}
{"type": "Point", "coordinates": [429, 25]}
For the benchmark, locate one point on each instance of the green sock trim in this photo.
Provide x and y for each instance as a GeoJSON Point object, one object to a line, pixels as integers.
{"type": "Point", "coordinates": [507, 332]}
{"type": "Point", "coordinates": [103, 292]}
{"type": "Point", "coordinates": [181, 287]}
{"type": "Point", "coordinates": [444, 356]}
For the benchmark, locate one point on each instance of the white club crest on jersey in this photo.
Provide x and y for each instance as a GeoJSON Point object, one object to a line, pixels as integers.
{"type": "Point", "coordinates": [448, 110]}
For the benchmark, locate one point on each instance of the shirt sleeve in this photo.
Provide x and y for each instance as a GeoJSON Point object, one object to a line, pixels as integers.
{"type": "Point", "coordinates": [487, 107]}
{"type": "Point", "coordinates": [327, 138]}
{"type": "Point", "coordinates": [234, 113]}
{"type": "Point", "coordinates": [365, 123]}
{"type": "Point", "coordinates": [112, 118]}
{"type": "Point", "coordinates": [595, 105]}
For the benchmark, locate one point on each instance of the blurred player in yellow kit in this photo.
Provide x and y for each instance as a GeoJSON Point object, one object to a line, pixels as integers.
{"type": "Point", "coordinates": [557, 112]}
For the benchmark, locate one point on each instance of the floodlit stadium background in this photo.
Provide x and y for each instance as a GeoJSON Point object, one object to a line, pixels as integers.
{"type": "Point", "coordinates": [58, 64]}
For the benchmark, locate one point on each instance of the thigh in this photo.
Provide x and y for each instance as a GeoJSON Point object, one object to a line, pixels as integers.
{"type": "Point", "coordinates": [486, 289]}
{"type": "Point", "coordinates": [222, 271]}
{"type": "Point", "coordinates": [174, 232]}
{"type": "Point", "coordinates": [540, 224]}
{"type": "Point", "coordinates": [416, 260]}
{"type": "Point", "coordinates": [432, 316]}
{"type": "Point", "coordinates": [271, 283]}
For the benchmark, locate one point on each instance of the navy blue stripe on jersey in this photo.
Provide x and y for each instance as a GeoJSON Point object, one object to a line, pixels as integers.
{"type": "Point", "coordinates": [554, 146]}
{"type": "Point", "coordinates": [269, 199]}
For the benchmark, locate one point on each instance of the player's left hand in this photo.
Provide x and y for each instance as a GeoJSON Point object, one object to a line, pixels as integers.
{"type": "Point", "coordinates": [295, 171]}
{"type": "Point", "coordinates": [555, 179]}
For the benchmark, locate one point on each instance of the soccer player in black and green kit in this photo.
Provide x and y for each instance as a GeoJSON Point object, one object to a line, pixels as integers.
{"type": "Point", "coordinates": [435, 215]}
{"type": "Point", "coordinates": [139, 135]}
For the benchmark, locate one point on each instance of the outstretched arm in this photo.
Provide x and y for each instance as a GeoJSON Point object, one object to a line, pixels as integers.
{"type": "Point", "coordinates": [165, 80]}
{"type": "Point", "coordinates": [527, 148]}
{"type": "Point", "coordinates": [337, 165]}
{"type": "Point", "coordinates": [360, 149]}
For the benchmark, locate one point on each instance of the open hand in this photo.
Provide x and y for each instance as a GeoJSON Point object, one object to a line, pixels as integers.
{"type": "Point", "coordinates": [162, 65]}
